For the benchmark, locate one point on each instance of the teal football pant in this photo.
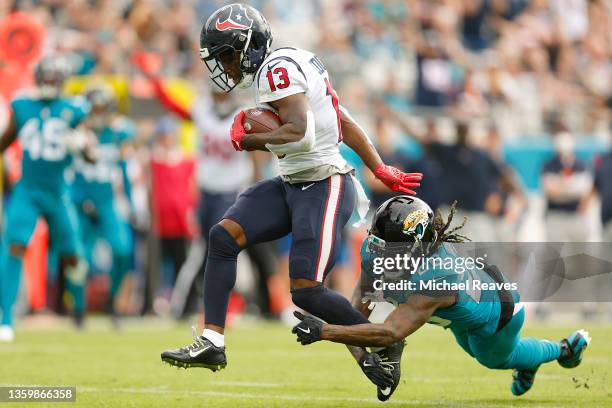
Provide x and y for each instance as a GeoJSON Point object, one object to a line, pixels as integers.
{"type": "Point", "coordinates": [507, 350]}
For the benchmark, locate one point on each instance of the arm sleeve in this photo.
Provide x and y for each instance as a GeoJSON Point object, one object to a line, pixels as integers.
{"type": "Point", "coordinates": [279, 78]}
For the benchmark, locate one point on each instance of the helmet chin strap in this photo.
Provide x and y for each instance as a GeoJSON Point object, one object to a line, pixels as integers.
{"type": "Point", "coordinates": [247, 79]}
{"type": "Point", "coordinates": [243, 62]}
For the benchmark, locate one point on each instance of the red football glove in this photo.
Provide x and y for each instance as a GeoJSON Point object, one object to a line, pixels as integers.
{"type": "Point", "coordinates": [237, 131]}
{"type": "Point", "coordinates": [397, 180]}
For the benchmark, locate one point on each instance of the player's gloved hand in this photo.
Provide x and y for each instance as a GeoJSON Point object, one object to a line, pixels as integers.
{"type": "Point", "coordinates": [308, 330]}
{"type": "Point", "coordinates": [371, 366]}
{"type": "Point", "coordinates": [397, 180]}
{"type": "Point", "coordinates": [237, 131]}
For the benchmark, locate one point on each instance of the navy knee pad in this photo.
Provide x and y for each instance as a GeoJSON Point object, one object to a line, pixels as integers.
{"type": "Point", "coordinates": [221, 244]}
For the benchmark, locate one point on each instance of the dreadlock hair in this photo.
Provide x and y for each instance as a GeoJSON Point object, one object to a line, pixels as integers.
{"type": "Point", "coordinates": [442, 230]}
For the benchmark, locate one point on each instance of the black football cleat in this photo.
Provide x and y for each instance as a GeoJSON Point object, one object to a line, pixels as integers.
{"type": "Point", "coordinates": [200, 353]}
{"type": "Point", "coordinates": [391, 360]}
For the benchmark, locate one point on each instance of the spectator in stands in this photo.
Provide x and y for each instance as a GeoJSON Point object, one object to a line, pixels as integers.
{"type": "Point", "coordinates": [507, 201]}
{"type": "Point", "coordinates": [565, 181]}
{"type": "Point", "coordinates": [603, 188]}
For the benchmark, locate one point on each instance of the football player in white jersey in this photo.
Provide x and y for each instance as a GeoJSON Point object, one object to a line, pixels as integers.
{"type": "Point", "coordinates": [313, 197]}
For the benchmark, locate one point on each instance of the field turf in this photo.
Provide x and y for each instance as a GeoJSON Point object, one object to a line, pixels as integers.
{"type": "Point", "coordinates": [267, 368]}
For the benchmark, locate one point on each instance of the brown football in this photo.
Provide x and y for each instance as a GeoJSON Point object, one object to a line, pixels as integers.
{"type": "Point", "coordinates": [257, 120]}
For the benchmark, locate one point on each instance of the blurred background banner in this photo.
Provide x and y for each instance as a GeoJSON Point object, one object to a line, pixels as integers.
{"type": "Point", "coordinates": [504, 105]}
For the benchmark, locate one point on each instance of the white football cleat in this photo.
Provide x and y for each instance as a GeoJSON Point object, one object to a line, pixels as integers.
{"type": "Point", "coordinates": [7, 334]}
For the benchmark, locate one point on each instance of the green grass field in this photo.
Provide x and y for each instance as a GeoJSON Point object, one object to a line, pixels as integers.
{"type": "Point", "coordinates": [267, 368]}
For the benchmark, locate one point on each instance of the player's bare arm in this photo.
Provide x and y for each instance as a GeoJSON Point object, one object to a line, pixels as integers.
{"type": "Point", "coordinates": [355, 138]}
{"type": "Point", "coordinates": [293, 111]}
{"type": "Point", "coordinates": [401, 323]}
{"type": "Point", "coordinates": [9, 135]}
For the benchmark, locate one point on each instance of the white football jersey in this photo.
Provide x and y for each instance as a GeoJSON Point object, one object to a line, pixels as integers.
{"type": "Point", "coordinates": [220, 168]}
{"type": "Point", "coordinates": [288, 71]}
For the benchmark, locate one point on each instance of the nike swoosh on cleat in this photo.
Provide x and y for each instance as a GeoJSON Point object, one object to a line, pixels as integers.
{"type": "Point", "coordinates": [385, 391]}
{"type": "Point", "coordinates": [197, 353]}
{"type": "Point", "coordinates": [305, 331]}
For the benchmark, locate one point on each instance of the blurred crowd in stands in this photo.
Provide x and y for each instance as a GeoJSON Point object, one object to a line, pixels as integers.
{"type": "Point", "coordinates": [448, 87]}
{"type": "Point", "coordinates": [537, 60]}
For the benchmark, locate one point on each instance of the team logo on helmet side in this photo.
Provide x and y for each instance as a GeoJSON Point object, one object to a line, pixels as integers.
{"type": "Point", "coordinates": [416, 222]}
{"type": "Point", "coordinates": [236, 20]}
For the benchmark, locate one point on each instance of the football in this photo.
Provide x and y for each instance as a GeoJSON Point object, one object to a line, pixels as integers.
{"type": "Point", "coordinates": [257, 120]}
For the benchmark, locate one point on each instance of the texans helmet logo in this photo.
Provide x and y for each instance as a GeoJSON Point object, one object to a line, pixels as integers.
{"type": "Point", "coordinates": [236, 20]}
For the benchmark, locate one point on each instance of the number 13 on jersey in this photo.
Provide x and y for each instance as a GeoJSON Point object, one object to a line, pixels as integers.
{"type": "Point", "coordinates": [280, 76]}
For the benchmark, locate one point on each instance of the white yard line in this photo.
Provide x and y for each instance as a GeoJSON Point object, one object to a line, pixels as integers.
{"type": "Point", "coordinates": [248, 384]}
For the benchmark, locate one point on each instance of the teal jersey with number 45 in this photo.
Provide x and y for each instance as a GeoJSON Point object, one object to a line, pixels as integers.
{"type": "Point", "coordinates": [44, 128]}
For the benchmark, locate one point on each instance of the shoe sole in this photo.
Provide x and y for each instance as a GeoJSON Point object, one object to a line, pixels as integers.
{"type": "Point", "coordinates": [181, 364]}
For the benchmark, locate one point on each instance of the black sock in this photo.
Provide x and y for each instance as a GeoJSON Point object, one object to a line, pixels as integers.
{"type": "Point", "coordinates": [327, 305]}
{"type": "Point", "coordinates": [220, 274]}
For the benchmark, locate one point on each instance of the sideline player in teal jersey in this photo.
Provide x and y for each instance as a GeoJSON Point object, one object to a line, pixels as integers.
{"type": "Point", "coordinates": [486, 324]}
{"type": "Point", "coordinates": [95, 184]}
{"type": "Point", "coordinates": [46, 124]}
